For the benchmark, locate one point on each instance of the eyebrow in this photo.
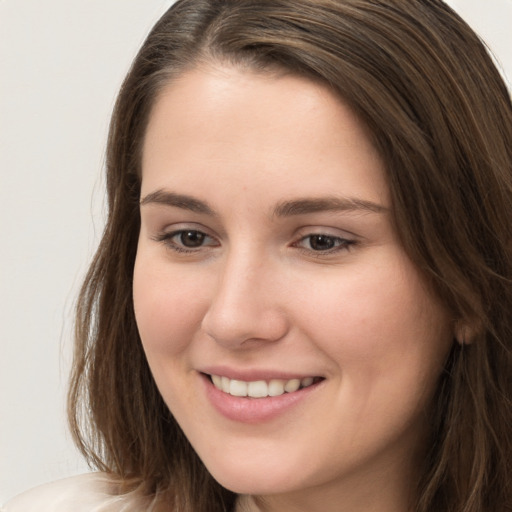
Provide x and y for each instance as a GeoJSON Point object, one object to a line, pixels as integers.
{"type": "Point", "coordinates": [290, 208]}
{"type": "Point", "coordinates": [177, 200]}
{"type": "Point", "coordinates": [333, 204]}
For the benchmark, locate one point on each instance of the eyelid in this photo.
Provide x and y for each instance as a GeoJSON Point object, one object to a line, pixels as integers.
{"type": "Point", "coordinates": [166, 237]}
{"type": "Point", "coordinates": [305, 231]}
{"type": "Point", "coordinates": [341, 243]}
{"type": "Point", "coordinates": [344, 240]}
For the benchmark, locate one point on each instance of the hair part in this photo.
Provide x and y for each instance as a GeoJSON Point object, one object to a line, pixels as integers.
{"type": "Point", "coordinates": [441, 117]}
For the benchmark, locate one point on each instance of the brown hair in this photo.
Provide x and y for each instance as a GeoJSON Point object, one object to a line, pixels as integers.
{"type": "Point", "coordinates": [441, 117]}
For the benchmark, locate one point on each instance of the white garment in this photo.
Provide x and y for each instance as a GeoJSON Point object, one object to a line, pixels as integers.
{"type": "Point", "coordinates": [91, 492]}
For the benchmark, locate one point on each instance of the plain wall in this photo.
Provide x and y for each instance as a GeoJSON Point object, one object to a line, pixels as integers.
{"type": "Point", "coordinates": [61, 63]}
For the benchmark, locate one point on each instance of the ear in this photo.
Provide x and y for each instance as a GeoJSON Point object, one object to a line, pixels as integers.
{"type": "Point", "coordinates": [464, 333]}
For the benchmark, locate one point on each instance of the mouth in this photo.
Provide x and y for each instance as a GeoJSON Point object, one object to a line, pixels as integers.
{"type": "Point", "coordinates": [261, 388]}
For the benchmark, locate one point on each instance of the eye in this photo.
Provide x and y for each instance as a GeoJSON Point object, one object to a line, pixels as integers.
{"type": "Point", "coordinates": [324, 243]}
{"type": "Point", "coordinates": [190, 239]}
{"type": "Point", "coordinates": [186, 240]}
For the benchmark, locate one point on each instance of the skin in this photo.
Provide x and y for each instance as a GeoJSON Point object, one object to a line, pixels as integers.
{"type": "Point", "coordinates": [256, 293]}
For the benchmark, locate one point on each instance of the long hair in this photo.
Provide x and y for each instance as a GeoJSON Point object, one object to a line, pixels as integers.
{"type": "Point", "coordinates": [441, 117]}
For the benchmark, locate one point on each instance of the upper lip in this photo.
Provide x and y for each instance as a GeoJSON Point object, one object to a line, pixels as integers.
{"type": "Point", "coordinates": [254, 374]}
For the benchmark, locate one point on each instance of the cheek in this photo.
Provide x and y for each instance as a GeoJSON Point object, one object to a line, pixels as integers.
{"type": "Point", "coordinates": [168, 311]}
{"type": "Point", "coordinates": [168, 306]}
{"type": "Point", "coordinates": [381, 325]}
{"type": "Point", "coordinates": [388, 339]}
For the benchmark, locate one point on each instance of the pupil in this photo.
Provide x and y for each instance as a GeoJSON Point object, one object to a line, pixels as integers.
{"type": "Point", "coordinates": [321, 242]}
{"type": "Point", "coordinates": [192, 238]}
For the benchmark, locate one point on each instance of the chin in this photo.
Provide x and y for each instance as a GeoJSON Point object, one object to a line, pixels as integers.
{"type": "Point", "coordinates": [256, 485]}
{"type": "Point", "coordinates": [242, 477]}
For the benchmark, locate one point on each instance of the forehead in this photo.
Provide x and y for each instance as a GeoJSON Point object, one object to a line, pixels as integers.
{"type": "Point", "coordinates": [279, 129]}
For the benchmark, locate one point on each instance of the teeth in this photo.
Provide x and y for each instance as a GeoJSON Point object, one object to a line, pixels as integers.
{"type": "Point", "coordinates": [217, 381]}
{"type": "Point", "coordinates": [292, 385]}
{"type": "Point", "coordinates": [276, 387]}
{"type": "Point", "coordinates": [260, 388]}
{"type": "Point", "coordinates": [307, 381]}
{"type": "Point", "coordinates": [225, 384]}
{"type": "Point", "coordinates": [257, 389]}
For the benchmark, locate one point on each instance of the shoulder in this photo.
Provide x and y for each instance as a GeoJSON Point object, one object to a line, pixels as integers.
{"type": "Point", "coordinates": [91, 492]}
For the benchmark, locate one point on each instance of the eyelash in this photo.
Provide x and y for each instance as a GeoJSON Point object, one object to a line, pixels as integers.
{"type": "Point", "coordinates": [339, 243]}
{"type": "Point", "coordinates": [167, 239]}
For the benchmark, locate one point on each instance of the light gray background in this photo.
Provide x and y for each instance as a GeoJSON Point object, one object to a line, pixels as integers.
{"type": "Point", "coordinates": [61, 63]}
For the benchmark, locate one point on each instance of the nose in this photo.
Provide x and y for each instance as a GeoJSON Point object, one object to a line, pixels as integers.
{"type": "Point", "coordinates": [245, 307]}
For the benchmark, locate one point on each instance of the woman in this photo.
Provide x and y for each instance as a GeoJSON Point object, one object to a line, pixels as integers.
{"type": "Point", "coordinates": [301, 299]}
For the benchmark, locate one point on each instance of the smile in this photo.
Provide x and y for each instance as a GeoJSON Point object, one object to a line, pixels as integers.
{"type": "Point", "coordinates": [261, 388]}
{"type": "Point", "coordinates": [261, 396]}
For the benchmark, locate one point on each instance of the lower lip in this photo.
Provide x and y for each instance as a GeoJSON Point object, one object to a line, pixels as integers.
{"type": "Point", "coordinates": [254, 410]}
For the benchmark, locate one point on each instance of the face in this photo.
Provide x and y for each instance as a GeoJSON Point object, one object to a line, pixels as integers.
{"type": "Point", "coordinates": [288, 332]}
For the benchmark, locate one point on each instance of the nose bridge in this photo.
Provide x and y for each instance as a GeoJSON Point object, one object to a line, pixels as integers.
{"type": "Point", "coordinates": [245, 304]}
